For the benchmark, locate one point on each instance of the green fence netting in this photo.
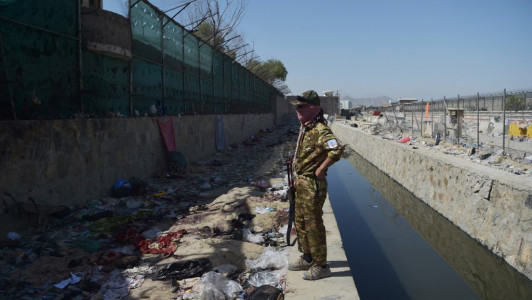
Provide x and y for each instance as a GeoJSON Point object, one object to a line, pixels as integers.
{"type": "Point", "coordinates": [106, 81]}
{"type": "Point", "coordinates": [47, 73]}
{"type": "Point", "coordinates": [39, 69]}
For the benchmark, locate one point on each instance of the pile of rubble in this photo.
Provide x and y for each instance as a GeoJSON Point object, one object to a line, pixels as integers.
{"type": "Point", "coordinates": [485, 155]}
{"type": "Point", "coordinates": [214, 232]}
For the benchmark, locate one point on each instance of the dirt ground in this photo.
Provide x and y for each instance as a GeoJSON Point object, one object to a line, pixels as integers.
{"type": "Point", "coordinates": [228, 208]}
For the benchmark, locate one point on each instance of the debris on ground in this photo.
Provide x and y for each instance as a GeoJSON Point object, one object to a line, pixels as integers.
{"type": "Point", "coordinates": [485, 154]}
{"type": "Point", "coordinates": [198, 235]}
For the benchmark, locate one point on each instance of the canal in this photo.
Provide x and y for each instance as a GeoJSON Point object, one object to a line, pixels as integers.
{"type": "Point", "coordinates": [400, 248]}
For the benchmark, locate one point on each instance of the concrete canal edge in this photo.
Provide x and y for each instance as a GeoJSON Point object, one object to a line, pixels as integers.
{"type": "Point", "coordinates": [492, 206]}
{"type": "Point", "coordinates": [340, 285]}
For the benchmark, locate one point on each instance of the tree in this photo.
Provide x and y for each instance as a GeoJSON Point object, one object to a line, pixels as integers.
{"type": "Point", "coordinates": [206, 32]}
{"type": "Point", "coordinates": [217, 21]}
{"type": "Point", "coordinates": [270, 71]}
{"type": "Point", "coordinates": [515, 103]}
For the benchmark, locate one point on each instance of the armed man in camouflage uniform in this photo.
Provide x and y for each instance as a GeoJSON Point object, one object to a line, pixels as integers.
{"type": "Point", "coordinates": [317, 149]}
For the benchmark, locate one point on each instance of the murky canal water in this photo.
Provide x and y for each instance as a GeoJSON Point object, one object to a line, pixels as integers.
{"type": "Point", "coordinates": [400, 248]}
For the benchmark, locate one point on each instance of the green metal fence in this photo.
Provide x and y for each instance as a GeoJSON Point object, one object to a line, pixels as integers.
{"type": "Point", "coordinates": [48, 72]}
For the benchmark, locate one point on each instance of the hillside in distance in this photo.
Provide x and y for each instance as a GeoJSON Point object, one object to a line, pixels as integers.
{"type": "Point", "coordinates": [378, 101]}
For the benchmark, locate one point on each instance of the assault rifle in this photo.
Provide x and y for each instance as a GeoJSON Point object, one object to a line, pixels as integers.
{"type": "Point", "coordinates": [291, 195]}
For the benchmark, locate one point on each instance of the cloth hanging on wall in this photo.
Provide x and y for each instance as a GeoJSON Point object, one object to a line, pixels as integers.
{"type": "Point", "coordinates": [167, 132]}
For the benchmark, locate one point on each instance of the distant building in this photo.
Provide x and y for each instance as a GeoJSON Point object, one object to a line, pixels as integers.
{"type": "Point", "coordinates": [401, 102]}
{"type": "Point", "coordinates": [346, 104]}
{"type": "Point", "coordinates": [406, 100]}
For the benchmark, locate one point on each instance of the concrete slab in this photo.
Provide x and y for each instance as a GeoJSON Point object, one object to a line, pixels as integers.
{"type": "Point", "coordinates": [340, 285]}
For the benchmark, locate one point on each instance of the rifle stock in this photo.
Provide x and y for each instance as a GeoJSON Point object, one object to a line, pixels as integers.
{"type": "Point", "coordinates": [291, 195]}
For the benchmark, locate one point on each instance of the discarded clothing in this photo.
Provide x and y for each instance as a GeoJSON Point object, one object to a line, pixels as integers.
{"type": "Point", "coordinates": [183, 269]}
{"type": "Point", "coordinates": [165, 244]}
{"type": "Point", "coordinates": [265, 292]}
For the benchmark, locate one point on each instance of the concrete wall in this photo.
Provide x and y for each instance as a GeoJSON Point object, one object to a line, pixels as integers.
{"type": "Point", "coordinates": [73, 161]}
{"type": "Point", "coordinates": [284, 111]}
{"type": "Point", "coordinates": [492, 206]}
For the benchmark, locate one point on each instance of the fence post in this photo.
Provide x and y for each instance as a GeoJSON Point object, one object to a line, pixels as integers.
{"type": "Point", "coordinates": [421, 133]}
{"type": "Point", "coordinates": [412, 111]}
{"type": "Point", "coordinates": [432, 118]}
{"type": "Point", "coordinates": [444, 119]}
{"type": "Point", "coordinates": [130, 62]}
{"type": "Point", "coordinates": [458, 120]}
{"type": "Point", "coordinates": [478, 122]}
{"type": "Point", "coordinates": [163, 77]}
{"type": "Point", "coordinates": [6, 73]}
{"type": "Point", "coordinates": [503, 121]}
{"type": "Point", "coordinates": [80, 62]}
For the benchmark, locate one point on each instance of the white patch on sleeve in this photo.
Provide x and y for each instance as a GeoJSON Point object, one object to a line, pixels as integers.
{"type": "Point", "coordinates": [332, 144]}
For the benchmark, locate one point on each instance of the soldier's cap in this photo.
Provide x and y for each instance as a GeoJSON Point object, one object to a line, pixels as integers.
{"type": "Point", "coordinates": [308, 97]}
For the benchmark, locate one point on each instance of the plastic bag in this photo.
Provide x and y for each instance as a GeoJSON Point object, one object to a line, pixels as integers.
{"type": "Point", "coordinates": [225, 270]}
{"type": "Point", "coordinates": [250, 237]}
{"type": "Point", "coordinates": [266, 277]}
{"type": "Point", "coordinates": [213, 286]}
{"type": "Point", "coordinates": [269, 259]}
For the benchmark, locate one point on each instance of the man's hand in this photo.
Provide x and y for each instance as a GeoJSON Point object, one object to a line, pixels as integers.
{"type": "Point", "coordinates": [321, 171]}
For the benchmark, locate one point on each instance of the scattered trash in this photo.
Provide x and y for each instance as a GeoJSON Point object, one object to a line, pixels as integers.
{"type": "Point", "coordinates": [261, 184]}
{"type": "Point", "coordinates": [226, 270]}
{"type": "Point", "coordinates": [266, 277]}
{"type": "Point", "coordinates": [283, 230]}
{"type": "Point", "coordinates": [151, 233]}
{"type": "Point", "coordinates": [261, 210]}
{"type": "Point", "coordinates": [404, 140]}
{"type": "Point", "coordinates": [124, 188]}
{"type": "Point", "coordinates": [269, 259]}
{"type": "Point", "coordinates": [213, 286]}
{"type": "Point", "coordinates": [72, 280]}
{"type": "Point", "coordinates": [13, 236]}
{"type": "Point", "coordinates": [265, 292]}
{"type": "Point", "coordinates": [250, 237]}
{"type": "Point", "coordinates": [183, 269]}
{"type": "Point", "coordinates": [110, 245]}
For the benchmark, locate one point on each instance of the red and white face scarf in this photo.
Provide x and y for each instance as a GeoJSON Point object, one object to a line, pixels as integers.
{"type": "Point", "coordinates": [307, 113]}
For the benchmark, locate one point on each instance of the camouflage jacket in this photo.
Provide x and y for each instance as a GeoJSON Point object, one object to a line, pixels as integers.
{"type": "Point", "coordinates": [317, 142]}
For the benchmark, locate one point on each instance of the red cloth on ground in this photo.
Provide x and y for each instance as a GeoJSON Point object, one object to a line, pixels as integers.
{"type": "Point", "coordinates": [165, 244]}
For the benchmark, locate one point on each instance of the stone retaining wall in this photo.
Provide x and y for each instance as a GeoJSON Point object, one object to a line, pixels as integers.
{"type": "Point", "coordinates": [69, 162]}
{"type": "Point", "coordinates": [492, 206]}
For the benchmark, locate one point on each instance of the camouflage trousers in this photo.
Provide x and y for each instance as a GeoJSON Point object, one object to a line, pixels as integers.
{"type": "Point", "coordinates": [310, 196]}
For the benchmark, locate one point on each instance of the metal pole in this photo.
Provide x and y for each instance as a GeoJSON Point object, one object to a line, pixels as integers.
{"type": "Point", "coordinates": [162, 66]}
{"type": "Point", "coordinates": [458, 120]}
{"type": "Point", "coordinates": [421, 134]}
{"type": "Point", "coordinates": [445, 119]}
{"type": "Point", "coordinates": [8, 83]}
{"type": "Point", "coordinates": [412, 110]}
{"type": "Point", "coordinates": [200, 77]}
{"type": "Point", "coordinates": [183, 70]}
{"type": "Point", "coordinates": [432, 118]}
{"type": "Point", "coordinates": [80, 62]}
{"type": "Point", "coordinates": [213, 83]}
{"type": "Point", "coordinates": [478, 122]}
{"type": "Point", "coordinates": [130, 64]}
{"type": "Point", "coordinates": [503, 120]}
